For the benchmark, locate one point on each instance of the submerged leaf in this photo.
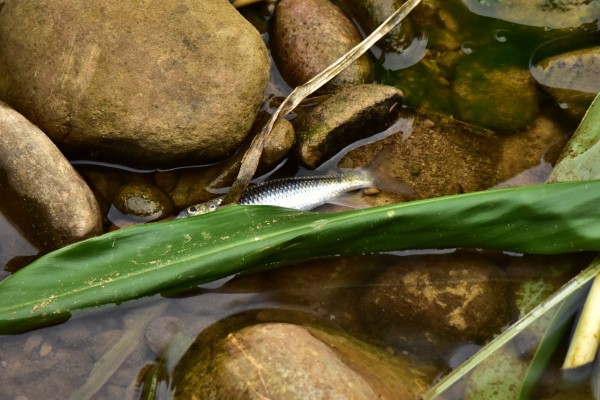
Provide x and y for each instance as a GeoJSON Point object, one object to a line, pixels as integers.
{"type": "Point", "coordinates": [147, 259]}
{"type": "Point", "coordinates": [580, 160]}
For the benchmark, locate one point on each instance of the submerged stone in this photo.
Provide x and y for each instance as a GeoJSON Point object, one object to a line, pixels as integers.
{"type": "Point", "coordinates": [435, 156]}
{"type": "Point", "coordinates": [371, 13]}
{"type": "Point", "coordinates": [498, 97]}
{"type": "Point", "coordinates": [155, 83]}
{"type": "Point", "coordinates": [143, 200]}
{"type": "Point", "coordinates": [50, 202]}
{"type": "Point", "coordinates": [279, 360]}
{"type": "Point", "coordinates": [309, 35]}
{"type": "Point", "coordinates": [437, 302]}
{"type": "Point", "coordinates": [543, 13]}
{"type": "Point", "coordinates": [572, 78]}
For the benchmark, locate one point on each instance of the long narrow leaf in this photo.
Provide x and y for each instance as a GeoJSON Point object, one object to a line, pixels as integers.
{"type": "Point", "coordinates": [580, 159]}
{"type": "Point", "coordinates": [142, 260]}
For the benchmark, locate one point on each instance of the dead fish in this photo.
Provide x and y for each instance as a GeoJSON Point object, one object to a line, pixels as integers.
{"type": "Point", "coordinates": [302, 193]}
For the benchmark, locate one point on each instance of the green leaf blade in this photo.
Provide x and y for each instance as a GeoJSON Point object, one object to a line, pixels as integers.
{"type": "Point", "coordinates": [143, 260]}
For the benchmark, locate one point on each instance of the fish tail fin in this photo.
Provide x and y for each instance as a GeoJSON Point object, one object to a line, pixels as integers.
{"type": "Point", "coordinates": [380, 169]}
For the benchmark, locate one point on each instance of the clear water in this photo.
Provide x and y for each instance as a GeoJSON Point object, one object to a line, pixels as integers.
{"type": "Point", "coordinates": [67, 360]}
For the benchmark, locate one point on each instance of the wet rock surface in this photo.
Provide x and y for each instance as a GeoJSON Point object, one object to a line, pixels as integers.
{"type": "Point", "coordinates": [571, 78]}
{"type": "Point", "coordinates": [480, 87]}
{"type": "Point", "coordinates": [347, 116]}
{"type": "Point", "coordinates": [527, 157]}
{"type": "Point", "coordinates": [542, 13]}
{"type": "Point", "coordinates": [293, 362]}
{"type": "Point", "coordinates": [309, 35]}
{"type": "Point", "coordinates": [436, 156]}
{"type": "Point", "coordinates": [371, 13]}
{"type": "Point", "coordinates": [195, 186]}
{"type": "Point", "coordinates": [143, 200]}
{"type": "Point", "coordinates": [152, 84]}
{"type": "Point", "coordinates": [446, 302]}
{"type": "Point", "coordinates": [49, 200]}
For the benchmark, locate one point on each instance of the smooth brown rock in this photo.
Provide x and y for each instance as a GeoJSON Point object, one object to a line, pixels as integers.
{"type": "Point", "coordinates": [543, 13]}
{"type": "Point", "coordinates": [285, 361]}
{"type": "Point", "coordinates": [46, 197]}
{"type": "Point", "coordinates": [351, 114]}
{"type": "Point", "coordinates": [143, 200]}
{"type": "Point", "coordinates": [197, 185]}
{"type": "Point", "coordinates": [435, 302]}
{"type": "Point", "coordinates": [152, 83]}
{"type": "Point", "coordinates": [572, 78]}
{"type": "Point", "coordinates": [435, 156]}
{"type": "Point", "coordinates": [309, 35]}
{"type": "Point", "coordinates": [371, 13]}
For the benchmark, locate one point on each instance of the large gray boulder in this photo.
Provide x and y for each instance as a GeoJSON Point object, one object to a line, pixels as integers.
{"type": "Point", "coordinates": [146, 83]}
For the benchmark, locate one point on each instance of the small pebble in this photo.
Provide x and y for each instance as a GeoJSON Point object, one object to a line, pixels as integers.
{"type": "Point", "coordinates": [160, 331]}
{"type": "Point", "coordinates": [32, 342]}
{"type": "Point", "coordinates": [428, 123]}
{"type": "Point", "coordinates": [45, 349]}
{"type": "Point", "coordinates": [371, 191]}
{"type": "Point", "coordinates": [346, 162]}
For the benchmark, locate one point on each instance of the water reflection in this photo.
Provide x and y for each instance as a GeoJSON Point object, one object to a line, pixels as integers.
{"type": "Point", "coordinates": [369, 297]}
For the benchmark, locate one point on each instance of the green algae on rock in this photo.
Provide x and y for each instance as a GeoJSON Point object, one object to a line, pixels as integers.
{"type": "Point", "coordinates": [493, 93]}
{"type": "Point", "coordinates": [154, 83]}
{"type": "Point", "coordinates": [351, 114]}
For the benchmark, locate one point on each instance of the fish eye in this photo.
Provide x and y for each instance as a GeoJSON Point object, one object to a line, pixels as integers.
{"type": "Point", "coordinates": [192, 209]}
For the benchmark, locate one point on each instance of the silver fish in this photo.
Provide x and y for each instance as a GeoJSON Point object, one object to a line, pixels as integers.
{"type": "Point", "coordinates": [302, 193]}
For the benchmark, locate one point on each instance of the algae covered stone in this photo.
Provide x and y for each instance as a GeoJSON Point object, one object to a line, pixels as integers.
{"type": "Point", "coordinates": [495, 93]}
{"type": "Point", "coordinates": [146, 83]}
{"type": "Point", "coordinates": [351, 114]}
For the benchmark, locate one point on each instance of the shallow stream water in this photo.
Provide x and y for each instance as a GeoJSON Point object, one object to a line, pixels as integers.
{"type": "Point", "coordinates": [103, 354]}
